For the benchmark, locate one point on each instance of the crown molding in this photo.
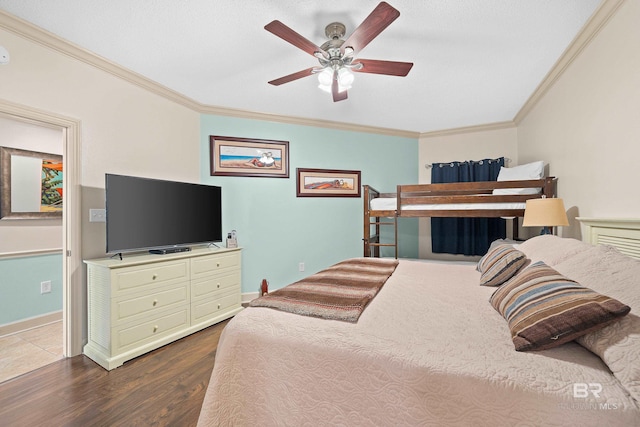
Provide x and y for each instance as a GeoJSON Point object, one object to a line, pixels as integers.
{"type": "Point", "coordinates": [47, 39]}
{"type": "Point", "coordinates": [592, 27]}
{"type": "Point", "coordinates": [223, 111]}
{"type": "Point", "coordinates": [469, 129]}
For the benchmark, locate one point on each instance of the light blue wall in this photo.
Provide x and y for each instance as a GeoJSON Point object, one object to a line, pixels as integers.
{"type": "Point", "coordinates": [279, 230]}
{"type": "Point", "coordinates": [20, 279]}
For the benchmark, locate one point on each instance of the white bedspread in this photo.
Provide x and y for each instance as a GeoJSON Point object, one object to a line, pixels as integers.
{"type": "Point", "coordinates": [390, 203]}
{"type": "Point", "coordinates": [428, 350]}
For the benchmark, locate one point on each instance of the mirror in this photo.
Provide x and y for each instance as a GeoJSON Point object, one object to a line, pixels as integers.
{"type": "Point", "coordinates": [31, 184]}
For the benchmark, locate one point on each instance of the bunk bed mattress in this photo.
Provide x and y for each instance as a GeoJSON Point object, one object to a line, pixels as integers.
{"type": "Point", "coordinates": [391, 203]}
{"type": "Point", "coordinates": [428, 350]}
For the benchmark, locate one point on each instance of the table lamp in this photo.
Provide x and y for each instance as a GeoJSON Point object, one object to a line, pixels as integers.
{"type": "Point", "coordinates": [546, 213]}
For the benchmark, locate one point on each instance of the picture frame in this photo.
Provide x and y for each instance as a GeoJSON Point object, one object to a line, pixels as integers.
{"type": "Point", "coordinates": [327, 183]}
{"type": "Point", "coordinates": [232, 156]}
{"type": "Point", "coordinates": [31, 184]}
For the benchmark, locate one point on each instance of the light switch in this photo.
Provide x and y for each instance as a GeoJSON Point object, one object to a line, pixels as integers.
{"type": "Point", "coordinates": [97, 215]}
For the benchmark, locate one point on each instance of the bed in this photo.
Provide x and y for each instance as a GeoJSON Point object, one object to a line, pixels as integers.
{"type": "Point", "coordinates": [503, 198]}
{"type": "Point", "coordinates": [429, 349]}
{"type": "Point", "coordinates": [486, 199]}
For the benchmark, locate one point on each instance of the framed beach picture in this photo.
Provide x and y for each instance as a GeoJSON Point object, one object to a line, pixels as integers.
{"type": "Point", "coordinates": [231, 156]}
{"type": "Point", "coordinates": [327, 183]}
{"type": "Point", "coordinates": [31, 184]}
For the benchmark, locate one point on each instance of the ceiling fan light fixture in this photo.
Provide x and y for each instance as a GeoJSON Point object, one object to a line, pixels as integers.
{"type": "Point", "coordinates": [345, 78]}
{"type": "Point", "coordinates": [325, 88]}
{"type": "Point", "coordinates": [348, 52]}
{"type": "Point", "coordinates": [325, 78]}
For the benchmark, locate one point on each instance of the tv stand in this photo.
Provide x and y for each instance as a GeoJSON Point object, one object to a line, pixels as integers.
{"type": "Point", "coordinates": [170, 250]}
{"type": "Point", "coordinates": [145, 301]}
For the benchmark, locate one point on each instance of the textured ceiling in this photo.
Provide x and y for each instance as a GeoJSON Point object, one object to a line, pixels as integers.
{"type": "Point", "coordinates": [475, 61]}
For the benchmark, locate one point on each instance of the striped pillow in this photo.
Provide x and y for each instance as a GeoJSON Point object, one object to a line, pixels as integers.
{"type": "Point", "coordinates": [500, 264]}
{"type": "Point", "coordinates": [545, 309]}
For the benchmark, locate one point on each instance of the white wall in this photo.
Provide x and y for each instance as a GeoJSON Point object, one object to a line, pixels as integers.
{"type": "Point", "coordinates": [124, 128]}
{"type": "Point", "coordinates": [468, 145]}
{"type": "Point", "coordinates": [18, 235]}
{"type": "Point", "coordinates": [587, 126]}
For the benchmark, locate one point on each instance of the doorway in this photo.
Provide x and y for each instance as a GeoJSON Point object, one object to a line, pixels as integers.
{"type": "Point", "coordinates": [72, 272]}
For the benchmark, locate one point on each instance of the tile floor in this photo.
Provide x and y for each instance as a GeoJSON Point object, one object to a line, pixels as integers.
{"type": "Point", "coordinates": [25, 351]}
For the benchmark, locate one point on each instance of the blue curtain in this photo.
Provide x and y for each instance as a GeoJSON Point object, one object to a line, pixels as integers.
{"type": "Point", "coordinates": [467, 236]}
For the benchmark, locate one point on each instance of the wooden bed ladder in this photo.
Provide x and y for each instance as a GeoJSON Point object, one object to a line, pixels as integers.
{"type": "Point", "coordinates": [373, 244]}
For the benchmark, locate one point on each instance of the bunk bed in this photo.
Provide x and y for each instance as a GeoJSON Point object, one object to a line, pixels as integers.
{"type": "Point", "coordinates": [486, 199]}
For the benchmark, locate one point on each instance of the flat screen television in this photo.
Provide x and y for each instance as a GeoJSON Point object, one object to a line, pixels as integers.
{"type": "Point", "coordinates": [160, 216]}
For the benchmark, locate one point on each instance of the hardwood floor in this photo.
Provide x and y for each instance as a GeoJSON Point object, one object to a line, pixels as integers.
{"type": "Point", "coordinates": [164, 387]}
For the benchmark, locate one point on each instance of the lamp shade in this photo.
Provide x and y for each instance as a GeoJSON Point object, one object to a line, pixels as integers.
{"type": "Point", "coordinates": [325, 78]}
{"type": "Point", "coordinates": [345, 78]}
{"type": "Point", "coordinates": [545, 213]}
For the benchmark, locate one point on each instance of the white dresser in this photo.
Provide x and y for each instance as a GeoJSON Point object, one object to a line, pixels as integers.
{"type": "Point", "coordinates": [143, 302]}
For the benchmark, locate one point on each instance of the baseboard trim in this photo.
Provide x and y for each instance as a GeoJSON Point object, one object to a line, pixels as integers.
{"type": "Point", "coordinates": [247, 297]}
{"type": "Point", "coordinates": [30, 323]}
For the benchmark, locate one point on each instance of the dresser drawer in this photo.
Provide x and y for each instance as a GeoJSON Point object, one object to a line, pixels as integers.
{"type": "Point", "coordinates": [202, 310]}
{"type": "Point", "coordinates": [150, 330]}
{"type": "Point", "coordinates": [205, 265]}
{"type": "Point", "coordinates": [151, 274]}
{"type": "Point", "coordinates": [149, 302]}
{"type": "Point", "coordinates": [140, 302]}
{"type": "Point", "coordinates": [202, 288]}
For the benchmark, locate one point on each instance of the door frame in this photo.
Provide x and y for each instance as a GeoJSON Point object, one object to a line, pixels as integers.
{"type": "Point", "coordinates": [72, 268]}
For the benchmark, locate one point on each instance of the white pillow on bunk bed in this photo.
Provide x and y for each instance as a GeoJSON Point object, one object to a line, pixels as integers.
{"type": "Point", "coordinates": [533, 170]}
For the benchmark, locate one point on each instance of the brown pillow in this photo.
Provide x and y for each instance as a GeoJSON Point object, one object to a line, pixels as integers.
{"type": "Point", "coordinates": [500, 264]}
{"type": "Point", "coordinates": [545, 309]}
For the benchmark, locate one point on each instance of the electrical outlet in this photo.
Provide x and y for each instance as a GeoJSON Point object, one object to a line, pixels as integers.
{"type": "Point", "coordinates": [97, 215]}
{"type": "Point", "coordinates": [45, 287]}
{"type": "Point", "coordinates": [301, 266]}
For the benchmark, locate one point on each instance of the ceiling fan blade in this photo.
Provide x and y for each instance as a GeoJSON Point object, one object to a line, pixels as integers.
{"type": "Point", "coordinates": [381, 17]}
{"type": "Point", "coordinates": [337, 95]}
{"type": "Point", "coordinates": [390, 68]}
{"type": "Point", "coordinates": [292, 77]}
{"type": "Point", "coordinates": [287, 34]}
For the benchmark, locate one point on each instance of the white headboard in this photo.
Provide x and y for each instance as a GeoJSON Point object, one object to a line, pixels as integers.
{"type": "Point", "coordinates": [624, 234]}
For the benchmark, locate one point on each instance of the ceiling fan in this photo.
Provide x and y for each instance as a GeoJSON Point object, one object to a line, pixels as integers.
{"type": "Point", "coordinates": [337, 56]}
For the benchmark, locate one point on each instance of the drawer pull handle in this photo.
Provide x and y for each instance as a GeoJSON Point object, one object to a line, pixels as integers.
{"type": "Point", "coordinates": [155, 328]}
{"type": "Point", "coordinates": [155, 302]}
{"type": "Point", "coordinates": [218, 306]}
{"type": "Point", "coordinates": [154, 277]}
{"type": "Point", "coordinates": [217, 264]}
{"type": "Point", "coordinates": [218, 285]}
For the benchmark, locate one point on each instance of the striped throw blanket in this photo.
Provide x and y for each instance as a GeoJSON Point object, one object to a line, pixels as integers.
{"type": "Point", "coordinates": [341, 292]}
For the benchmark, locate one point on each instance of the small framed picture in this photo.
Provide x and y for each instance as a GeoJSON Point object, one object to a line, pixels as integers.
{"type": "Point", "coordinates": [327, 183]}
{"type": "Point", "coordinates": [31, 184]}
{"type": "Point", "coordinates": [231, 156]}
